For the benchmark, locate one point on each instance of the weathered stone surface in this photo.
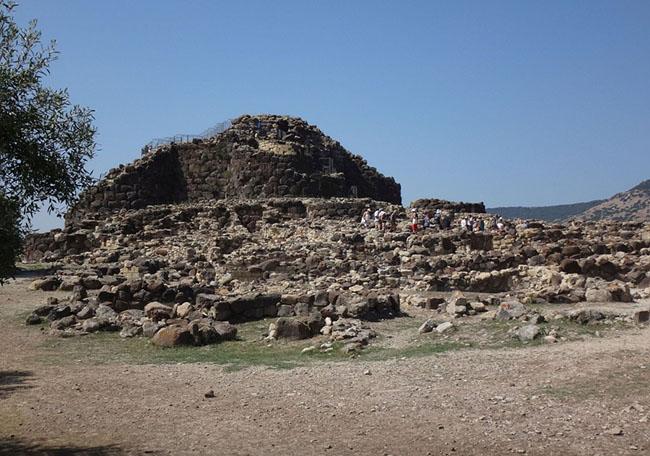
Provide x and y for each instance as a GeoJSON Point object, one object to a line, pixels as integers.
{"type": "Point", "coordinates": [183, 310]}
{"type": "Point", "coordinates": [45, 284]}
{"type": "Point", "coordinates": [33, 319]}
{"type": "Point", "coordinates": [570, 266]}
{"type": "Point", "coordinates": [180, 172]}
{"type": "Point", "coordinates": [528, 333]}
{"type": "Point", "coordinates": [292, 328]}
{"type": "Point", "coordinates": [585, 316]}
{"type": "Point", "coordinates": [63, 323]}
{"type": "Point", "coordinates": [58, 313]}
{"type": "Point", "coordinates": [85, 313]}
{"type": "Point", "coordinates": [91, 325]}
{"type": "Point", "coordinates": [427, 327]}
{"type": "Point", "coordinates": [444, 327]}
{"type": "Point", "coordinates": [191, 247]}
{"type": "Point", "coordinates": [598, 295]}
{"type": "Point", "coordinates": [157, 311]}
{"type": "Point", "coordinates": [172, 336]}
{"type": "Point", "coordinates": [641, 316]}
{"type": "Point", "coordinates": [106, 312]}
{"type": "Point", "coordinates": [510, 309]}
{"type": "Point", "coordinates": [225, 330]}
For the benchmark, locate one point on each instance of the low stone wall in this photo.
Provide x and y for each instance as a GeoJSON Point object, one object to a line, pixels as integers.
{"type": "Point", "coordinates": [194, 313]}
{"type": "Point", "coordinates": [431, 205]}
{"type": "Point", "coordinates": [97, 229]}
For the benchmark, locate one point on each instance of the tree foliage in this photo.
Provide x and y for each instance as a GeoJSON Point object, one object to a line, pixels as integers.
{"type": "Point", "coordinates": [11, 236]}
{"type": "Point", "coordinates": [45, 141]}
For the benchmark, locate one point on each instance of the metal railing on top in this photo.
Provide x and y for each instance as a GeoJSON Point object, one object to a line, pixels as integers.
{"type": "Point", "coordinates": [212, 131]}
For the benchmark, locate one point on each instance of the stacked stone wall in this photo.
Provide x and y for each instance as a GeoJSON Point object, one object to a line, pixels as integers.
{"type": "Point", "coordinates": [98, 228]}
{"type": "Point", "coordinates": [432, 204]}
{"type": "Point", "coordinates": [245, 161]}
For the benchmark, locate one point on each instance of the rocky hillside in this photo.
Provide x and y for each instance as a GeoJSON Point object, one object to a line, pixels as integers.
{"type": "Point", "coordinates": [631, 206]}
{"type": "Point", "coordinates": [547, 213]}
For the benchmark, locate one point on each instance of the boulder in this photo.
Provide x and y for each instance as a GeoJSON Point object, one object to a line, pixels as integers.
{"type": "Point", "coordinates": [157, 311]}
{"type": "Point", "coordinates": [478, 306]}
{"type": "Point", "coordinates": [598, 295]}
{"type": "Point", "coordinates": [149, 328]}
{"type": "Point", "coordinates": [86, 312]}
{"type": "Point", "coordinates": [59, 312]}
{"type": "Point", "coordinates": [45, 284]}
{"type": "Point", "coordinates": [43, 311]}
{"type": "Point", "coordinates": [183, 310]}
{"type": "Point", "coordinates": [64, 322]}
{"type": "Point", "coordinates": [33, 319]}
{"type": "Point", "coordinates": [641, 316]}
{"type": "Point", "coordinates": [570, 266]}
{"type": "Point", "coordinates": [528, 333]}
{"type": "Point", "coordinates": [445, 326]}
{"type": "Point", "coordinates": [427, 327]}
{"type": "Point", "coordinates": [172, 336]}
{"type": "Point", "coordinates": [103, 311]}
{"type": "Point", "coordinates": [292, 328]}
{"type": "Point", "coordinates": [207, 300]}
{"type": "Point", "coordinates": [585, 316]}
{"type": "Point", "coordinates": [91, 325]}
{"type": "Point", "coordinates": [457, 304]}
{"type": "Point", "coordinates": [225, 330]}
{"type": "Point", "coordinates": [510, 309]}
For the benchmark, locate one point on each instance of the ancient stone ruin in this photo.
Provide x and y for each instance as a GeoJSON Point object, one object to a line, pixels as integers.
{"type": "Point", "coordinates": [433, 204]}
{"type": "Point", "coordinates": [263, 221]}
{"type": "Point", "coordinates": [257, 157]}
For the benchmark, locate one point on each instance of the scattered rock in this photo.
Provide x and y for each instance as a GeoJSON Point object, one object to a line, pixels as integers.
{"type": "Point", "coordinates": [528, 333]}
{"type": "Point", "coordinates": [444, 327]}
{"type": "Point", "coordinates": [33, 319]}
{"type": "Point", "coordinates": [508, 310]}
{"type": "Point", "coordinates": [427, 327]}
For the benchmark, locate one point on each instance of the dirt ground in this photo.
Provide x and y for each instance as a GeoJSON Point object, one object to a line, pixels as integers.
{"type": "Point", "coordinates": [582, 397]}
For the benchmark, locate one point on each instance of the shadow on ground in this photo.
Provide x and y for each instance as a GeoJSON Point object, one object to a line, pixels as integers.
{"type": "Point", "coordinates": [11, 381]}
{"type": "Point", "coordinates": [33, 274]}
{"type": "Point", "coordinates": [13, 447]}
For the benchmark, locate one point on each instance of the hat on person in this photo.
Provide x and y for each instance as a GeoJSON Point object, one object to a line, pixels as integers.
{"type": "Point", "coordinates": [412, 210]}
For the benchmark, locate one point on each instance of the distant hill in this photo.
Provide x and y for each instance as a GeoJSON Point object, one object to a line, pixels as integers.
{"type": "Point", "coordinates": [630, 206]}
{"type": "Point", "coordinates": [547, 213]}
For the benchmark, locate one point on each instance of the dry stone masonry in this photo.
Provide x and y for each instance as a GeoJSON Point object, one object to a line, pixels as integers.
{"type": "Point", "coordinates": [257, 157]}
{"type": "Point", "coordinates": [192, 239]}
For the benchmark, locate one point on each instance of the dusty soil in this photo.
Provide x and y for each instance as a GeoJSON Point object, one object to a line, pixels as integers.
{"type": "Point", "coordinates": [583, 397]}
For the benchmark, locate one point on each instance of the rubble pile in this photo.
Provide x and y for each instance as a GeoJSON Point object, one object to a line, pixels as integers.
{"type": "Point", "coordinates": [239, 260]}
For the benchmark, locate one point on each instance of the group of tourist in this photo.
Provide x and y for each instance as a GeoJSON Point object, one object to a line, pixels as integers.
{"type": "Point", "coordinates": [384, 221]}
{"type": "Point", "coordinates": [380, 219]}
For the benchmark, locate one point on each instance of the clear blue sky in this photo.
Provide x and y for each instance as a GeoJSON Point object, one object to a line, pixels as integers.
{"type": "Point", "coordinates": [507, 102]}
